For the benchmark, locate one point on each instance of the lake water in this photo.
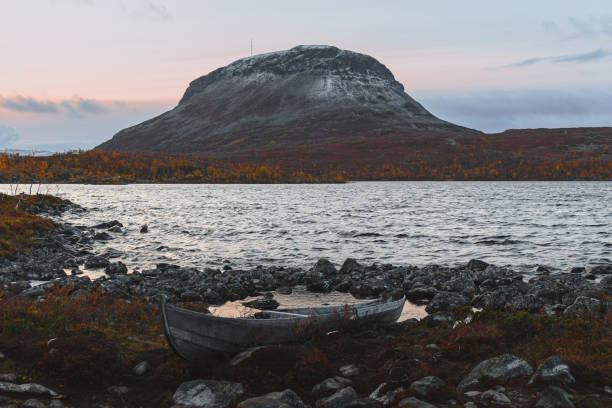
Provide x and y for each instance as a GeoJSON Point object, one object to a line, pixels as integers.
{"type": "Point", "coordinates": [523, 224]}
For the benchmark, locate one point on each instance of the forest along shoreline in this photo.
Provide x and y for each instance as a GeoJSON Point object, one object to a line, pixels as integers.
{"type": "Point", "coordinates": [101, 340]}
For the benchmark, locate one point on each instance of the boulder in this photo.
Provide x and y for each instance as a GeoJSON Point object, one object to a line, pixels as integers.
{"type": "Point", "coordinates": [267, 303]}
{"type": "Point", "coordinates": [116, 268]}
{"type": "Point", "coordinates": [553, 371]}
{"type": "Point", "coordinates": [502, 369]}
{"type": "Point", "coordinates": [388, 397]}
{"type": "Point", "coordinates": [208, 394]}
{"type": "Point", "coordinates": [323, 267]}
{"type": "Point", "coordinates": [33, 403]}
{"type": "Point", "coordinates": [443, 301]}
{"type": "Point", "coordinates": [477, 265]}
{"type": "Point", "coordinates": [339, 399]}
{"type": "Point", "coordinates": [554, 397]}
{"type": "Point", "coordinates": [421, 293]}
{"type": "Point", "coordinates": [602, 270]}
{"type": "Point", "coordinates": [584, 307]}
{"type": "Point", "coordinates": [94, 261]}
{"type": "Point", "coordinates": [351, 266]}
{"type": "Point", "coordinates": [427, 385]}
{"type": "Point", "coordinates": [102, 236]}
{"type": "Point", "coordinates": [143, 229]}
{"type": "Point", "coordinates": [495, 397]}
{"type": "Point", "coordinates": [30, 388]}
{"type": "Point", "coordinates": [284, 399]}
{"type": "Point", "coordinates": [107, 225]}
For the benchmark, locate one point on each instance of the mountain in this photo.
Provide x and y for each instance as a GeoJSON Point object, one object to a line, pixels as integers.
{"type": "Point", "coordinates": [305, 96]}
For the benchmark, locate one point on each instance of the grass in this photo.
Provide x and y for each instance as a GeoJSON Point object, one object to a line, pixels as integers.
{"type": "Point", "coordinates": [17, 226]}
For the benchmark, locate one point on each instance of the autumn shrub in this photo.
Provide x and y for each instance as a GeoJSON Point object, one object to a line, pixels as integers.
{"type": "Point", "coordinates": [471, 340]}
{"type": "Point", "coordinates": [311, 366]}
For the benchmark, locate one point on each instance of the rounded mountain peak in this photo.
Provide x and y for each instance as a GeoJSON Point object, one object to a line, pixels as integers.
{"type": "Point", "coordinates": [302, 59]}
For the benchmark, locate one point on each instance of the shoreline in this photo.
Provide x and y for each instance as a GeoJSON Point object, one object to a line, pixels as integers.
{"type": "Point", "coordinates": [99, 343]}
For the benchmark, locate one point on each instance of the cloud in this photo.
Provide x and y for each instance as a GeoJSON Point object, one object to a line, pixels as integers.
{"type": "Point", "coordinates": [494, 111]}
{"type": "Point", "coordinates": [8, 136]}
{"type": "Point", "coordinates": [584, 57]}
{"type": "Point", "coordinates": [151, 11]}
{"type": "Point", "coordinates": [76, 107]}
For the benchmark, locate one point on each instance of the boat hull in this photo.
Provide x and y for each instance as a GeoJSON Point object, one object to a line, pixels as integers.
{"type": "Point", "coordinates": [197, 336]}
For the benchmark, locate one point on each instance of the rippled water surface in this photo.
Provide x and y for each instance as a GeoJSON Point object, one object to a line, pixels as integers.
{"type": "Point", "coordinates": [558, 224]}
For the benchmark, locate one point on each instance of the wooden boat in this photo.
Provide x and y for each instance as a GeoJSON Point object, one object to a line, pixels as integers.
{"type": "Point", "coordinates": [197, 336]}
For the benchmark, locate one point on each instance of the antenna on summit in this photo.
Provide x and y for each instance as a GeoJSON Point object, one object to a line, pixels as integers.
{"type": "Point", "coordinates": [251, 47]}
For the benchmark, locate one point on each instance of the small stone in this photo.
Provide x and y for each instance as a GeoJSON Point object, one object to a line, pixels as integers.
{"type": "Point", "coordinates": [386, 398]}
{"type": "Point", "coordinates": [56, 404]}
{"type": "Point", "coordinates": [554, 397]}
{"type": "Point", "coordinates": [143, 229]}
{"type": "Point", "coordinates": [33, 403]}
{"type": "Point", "coordinates": [208, 393]}
{"type": "Point", "coordinates": [8, 377]}
{"type": "Point", "coordinates": [495, 397]}
{"type": "Point", "coordinates": [2, 356]}
{"type": "Point", "coordinates": [427, 385]}
{"type": "Point", "coordinates": [141, 368]}
{"type": "Point", "coordinates": [350, 370]}
{"type": "Point", "coordinates": [285, 399]}
{"type": "Point", "coordinates": [327, 385]}
{"type": "Point", "coordinates": [340, 399]}
{"type": "Point", "coordinates": [432, 347]}
{"type": "Point", "coordinates": [608, 389]}
{"type": "Point", "coordinates": [412, 402]}
{"type": "Point", "coordinates": [473, 394]}
{"type": "Point", "coordinates": [118, 390]}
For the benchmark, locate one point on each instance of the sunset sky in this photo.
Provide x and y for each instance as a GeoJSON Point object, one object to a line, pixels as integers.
{"type": "Point", "coordinates": [74, 72]}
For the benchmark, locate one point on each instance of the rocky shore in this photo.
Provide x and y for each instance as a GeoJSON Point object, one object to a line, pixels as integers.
{"type": "Point", "coordinates": [539, 341]}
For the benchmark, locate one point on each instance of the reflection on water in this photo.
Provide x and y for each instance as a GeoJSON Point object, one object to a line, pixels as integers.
{"type": "Point", "coordinates": [302, 298]}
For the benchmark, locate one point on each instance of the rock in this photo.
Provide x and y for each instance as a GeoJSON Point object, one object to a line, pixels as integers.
{"type": "Point", "coordinates": [443, 301]}
{"type": "Point", "coordinates": [366, 402]}
{"type": "Point", "coordinates": [577, 269]}
{"type": "Point", "coordinates": [339, 399]}
{"type": "Point", "coordinates": [30, 388]}
{"type": "Point", "coordinates": [327, 385]}
{"type": "Point", "coordinates": [584, 307]}
{"type": "Point", "coordinates": [495, 397]}
{"type": "Point", "coordinates": [267, 303]}
{"type": "Point", "coordinates": [143, 229]}
{"type": "Point", "coordinates": [477, 265]}
{"type": "Point", "coordinates": [107, 225]}
{"type": "Point", "coordinates": [2, 356]}
{"type": "Point", "coordinates": [102, 236]}
{"type": "Point", "coordinates": [141, 368]}
{"type": "Point", "coordinates": [33, 403]}
{"type": "Point", "coordinates": [608, 389]}
{"type": "Point", "coordinates": [118, 390]}
{"type": "Point", "coordinates": [94, 261]}
{"type": "Point", "coordinates": [323, 267]}
{"type": "Point", "coordinates": [388, 397]}
{"type": "Point", "coordinates": [602, 270]}
{"type": "Point", "coordinates": [427, 385]}
{"type": "Point", "coordinates": [553, 371]}
{"type": "Point", "coordinates": [351, 266]}
{"type": "Point", "coordinates": [208, 394]}
{"type": "Point", "coordinates": [56, 404]}
{"type": "Point", "coordinates": [421, 293]}
{"type": "Point", "coordinates": [432, 347]}
{"type": "Point", "coordinates": [554, 397]}
{"type": "Point", "coordinates": [412, 402]}
{"type": "Point", "coordinates": [470, 404]}
{"type": "Point", "coordinates": [541, 270]}
{"type": "Point", "coordinates": [473, 394]}
{"type": "Point", "coordinates": [284, 399]}
{"type": "Point", "coordinates": [116, 229]}
{"type": "Point", "coordinates": [350, 370]}
{"type": "Point", "coordinates": [284, 290]}
{"type": "Point", "coordinates": [116, 268]}
{"type": "Point", "coordinates": [8, 377]}
{"type": "Point", "coordinates": [190, 296]}
{"type": "Point", "coordinates": [502, 369]}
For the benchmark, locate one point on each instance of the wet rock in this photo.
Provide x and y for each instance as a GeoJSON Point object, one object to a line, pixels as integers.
{"type": "Point", "coordinates": [94, 261]}
{"type": "Point", "coordinates": [118, 390]}
{"type": "Point", "coordinates": [495, 397]}
{"type": "Point", "coordinates": [327, 385]}
{"type": "Point", "coordinates": [577, 269]}
{"type": "Point", "coordinates": [339, 399]}
{"type": "Point", "coordinates": [584, 307]}
{"type": "Point", "coordinates": [33, 403]}
{"type": "Point", "coordinates": [143, 229]}
{"type": "Point", "coordinates": [349, 370]}
{"type": "Point", "coordinates": [553, 371]}
{"type": "Point", "coordinates": [30, 388]}
{"type": "Point", "coordinates": [284, 399]}
{"type": "Point", "coordinates": [602, 269]}
{"type": "Point", "coordinates": [107, 225]}
{"type": "Point", "coordinates": [554, 397]}
{"type": "Point", "coordinates": [351, 266]}
{"type": "Point", "coordinates": [541, 270]}
{"type": "Point", "coordinates": [502, 368]}
{"type": "Point", "coordinates": [412, 402]}
{"type": "Point", "coordinates": [421, 293]}
{"type": "Point", "coordinates": [8, 377]}
{"type": "Point", "coordinates": [141, 368]}
{"type": "Point", "coordinates": [208, 394]}
{"type": "Point", "coordinates": [267, 303]}
{"type": "Point", "coordinates": [102, 236]}
{"type": "Point", "coordinates": [443, 301]}
{"type": "Point", "coordinates": [116, 268]}
{"type": "Point", "coordinates": [323, 268]}
{"type": "Point", "coordinates": [427, 385]}
{"type": "Point", "coordinates": [116, 229]}
{"type": "Point", "coordinates": [477, 265]}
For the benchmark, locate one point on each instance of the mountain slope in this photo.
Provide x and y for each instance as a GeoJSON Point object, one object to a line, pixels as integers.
{"type": "Point", "coordinates": [299, 97]}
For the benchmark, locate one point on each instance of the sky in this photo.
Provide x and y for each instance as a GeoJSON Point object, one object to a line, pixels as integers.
{"type": "Point", "coordinates": [74, 72]}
